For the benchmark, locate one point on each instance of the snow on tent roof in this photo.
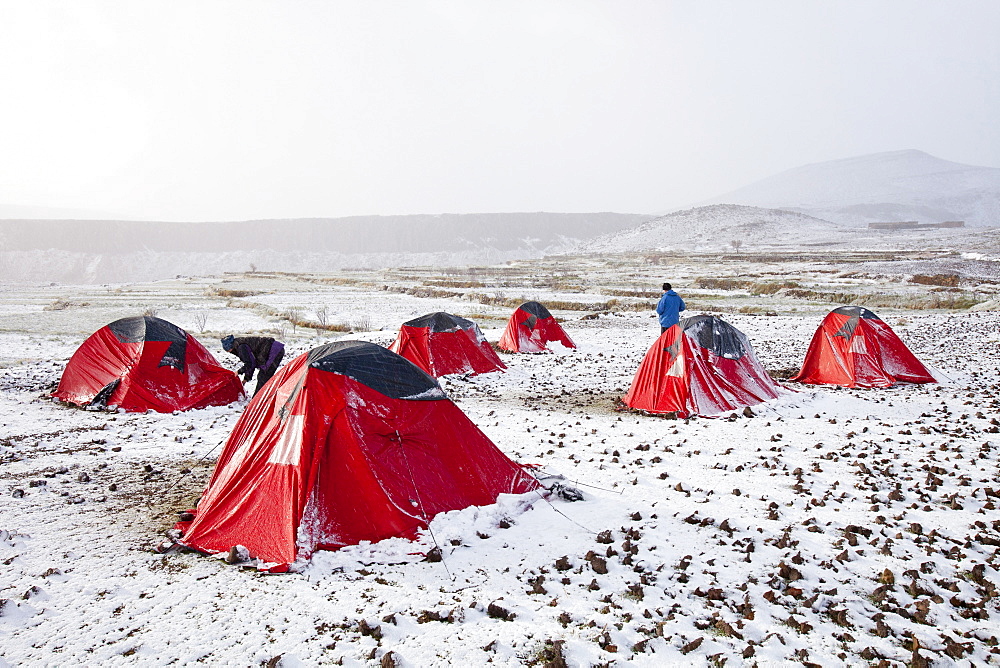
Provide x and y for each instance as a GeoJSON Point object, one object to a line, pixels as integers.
{"type": "Point", "coordinates": [147, 328]}
{"type": "Point", "coordinates": [536, 309]}
{"type": "Point", "coordinates": [379, 368]}
{"type": "Point", "coordinates": [440, 322]}
{"type": "Point", "coordinates": [858, 311]}
{"type": "Point", "coordinates": [715, 334]}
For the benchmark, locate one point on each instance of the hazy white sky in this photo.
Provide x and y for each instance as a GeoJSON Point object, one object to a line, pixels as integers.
{"type": "Point", "coordinates": [228, 110]}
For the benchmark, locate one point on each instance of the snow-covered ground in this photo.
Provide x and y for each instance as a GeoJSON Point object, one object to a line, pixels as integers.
{"type": "Point", "coordinates": [834, 527]}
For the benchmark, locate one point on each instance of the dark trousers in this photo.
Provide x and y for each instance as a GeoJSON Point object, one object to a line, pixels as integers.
{"type": "Point", "coordinates": [265, 374]}
{"type": "Point", "coordinates": [663, 329]}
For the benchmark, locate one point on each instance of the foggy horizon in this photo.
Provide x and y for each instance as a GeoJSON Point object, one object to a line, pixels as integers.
{"type": "Point", "coordinates": [253, 111]}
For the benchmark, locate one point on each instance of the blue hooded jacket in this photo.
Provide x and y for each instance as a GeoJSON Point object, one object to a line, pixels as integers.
{"type": "Point", "coordinates": [669, 308]}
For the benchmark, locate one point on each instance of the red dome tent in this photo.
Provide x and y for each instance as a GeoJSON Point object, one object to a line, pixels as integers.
{"type": "Point", "coordinates": [530, 327]}
{"type": "Point", "coordinates": [346, 443]}
{"type": "Point", "coordinates": [700, 366]}
{"type": "Point", "coordinates": [853, 347]}
{"type": "Point", "coordinates": [441, 344]}
{"type": "Point", "coordinates": [144, 363]}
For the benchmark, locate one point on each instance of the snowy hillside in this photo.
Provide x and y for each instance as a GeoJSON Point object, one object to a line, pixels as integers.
{"type": "Point", "coordinates": [715, 228]}
{"type": "Point", "coordinates": [898, 185]}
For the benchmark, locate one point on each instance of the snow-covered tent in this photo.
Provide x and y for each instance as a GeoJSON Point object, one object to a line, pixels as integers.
{"type": "Point", "coordinates": [347, 443]}
{"type": "Point", "coordinates": [530, 327]}
{"type": "Point", "coordinates": [442, 344]}
{"type": "Point", "coordinates": [145, 363]}
{"type": "Point", "coordinates": [700, 366]}
{"type": "Point", "coordinates": [853, 347]}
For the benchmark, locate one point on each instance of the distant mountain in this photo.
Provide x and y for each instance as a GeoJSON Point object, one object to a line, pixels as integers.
{"type": "Point", "coordinates": [356, 234]}
{"type": "Point", "coordinates": [715, 228]}
{"type": "Point", "coordinates": [894, 186]}
{"type": "Point", "coordinates": [118, 251]}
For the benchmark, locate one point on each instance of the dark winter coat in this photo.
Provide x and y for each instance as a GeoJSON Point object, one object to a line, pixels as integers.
{"type": "Point", "coordinates": [255, 352]}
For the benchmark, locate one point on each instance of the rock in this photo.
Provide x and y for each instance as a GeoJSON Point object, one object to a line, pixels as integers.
{"type": "Point", "coordinates": [372, 631]}
{"type": "Point", "coordinates": [497, 612]}
{"type": "Point", "coordinates": [32, 592]}
{"type": "Point", "coordinates": [692, 646]}
{"type": "Point", "coordinates": [238, 554]}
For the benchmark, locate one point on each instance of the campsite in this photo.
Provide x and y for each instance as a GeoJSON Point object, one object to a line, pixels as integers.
{"type": "Point", "coordinates": [560, 334]}
{"type": "Point", "coordinates": [826, 526]}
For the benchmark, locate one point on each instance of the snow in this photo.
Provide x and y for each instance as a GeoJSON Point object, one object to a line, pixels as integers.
{"type": "Point", "coordinates": [720, 227]}
{"type": "Point", "coordinates": [744, 532]}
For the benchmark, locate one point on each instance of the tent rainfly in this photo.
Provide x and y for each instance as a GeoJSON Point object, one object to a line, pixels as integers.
{"type": "Point", "coordinates": [145, 363]}
{"type": "Point", "coordinates": [853, 347]}
{"type": "Point", "coordinates": [443, 344]}
{"type": "Point", "coordinates": [347, 443]}
{"type": "Point", "coordinates": [530, 327]}
{"type": "Point", "coordinates": [700, 366]}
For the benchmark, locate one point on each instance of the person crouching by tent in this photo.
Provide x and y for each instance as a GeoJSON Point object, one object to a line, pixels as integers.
{"type": "Point", "coordinates": [258, 353]}
{"type": "Point", "coordinates": [669, 307]}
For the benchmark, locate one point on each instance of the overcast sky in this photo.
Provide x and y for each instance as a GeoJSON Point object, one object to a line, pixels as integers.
{"type": "Point", "coordinates": [219, 110]}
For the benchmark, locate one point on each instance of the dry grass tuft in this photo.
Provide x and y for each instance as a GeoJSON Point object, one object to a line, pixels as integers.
{"type": "Point", "coordinates": [215, 291]}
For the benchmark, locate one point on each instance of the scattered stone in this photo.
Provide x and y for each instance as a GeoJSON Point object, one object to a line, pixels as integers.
{"type": "Point", "coordinates": [497, 612]}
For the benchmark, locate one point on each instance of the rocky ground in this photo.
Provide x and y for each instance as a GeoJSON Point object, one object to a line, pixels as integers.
{"type": "Point", "coordinates": [830, 527]}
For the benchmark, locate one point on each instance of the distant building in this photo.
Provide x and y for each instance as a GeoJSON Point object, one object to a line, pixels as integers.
{"type": "Point", "coordinates": [914, 225]}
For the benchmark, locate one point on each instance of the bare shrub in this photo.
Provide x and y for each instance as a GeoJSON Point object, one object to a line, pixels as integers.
{"type": "Point", "coordinates": [294, 316]}
{"type": "Point", "coordinates": [362, 323]}
{"type": "Point", "coordinates": [323, 315]}
{"type": "Point", "coordinates": [201, 320]}
{"type": "Point", "coordinates": [151, 311]}
{"type": "Point", "coordinates": [300, 321]}
{"type": "Point", "coordinates": [63, 304]}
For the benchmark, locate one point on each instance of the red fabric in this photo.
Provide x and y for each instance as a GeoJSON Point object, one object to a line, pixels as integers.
{"type": "Point", "coordinates": [678, 375]}
{"type": "Point", "coordinates": [319, 460]}
{"type": "Point", "coordinates": [527, 334]}
{"type": "Point", "coordinates": [144, 383]}
{"type": "Point", "coordinates": [871, 355]}
{"type": "Point", "coordinates": [443, 353]}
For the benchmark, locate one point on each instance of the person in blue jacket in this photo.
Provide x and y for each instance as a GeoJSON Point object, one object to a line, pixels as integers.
{"type": "Point", "coordinates": [669, 308]}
